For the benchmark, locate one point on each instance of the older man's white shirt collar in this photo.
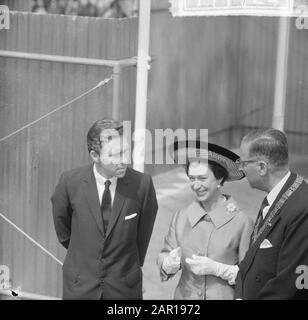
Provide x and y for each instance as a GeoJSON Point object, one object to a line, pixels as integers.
{"type": "Point", "coordinates": [274, 193]}
{"type": "Point", "coordinates": [100, 183]}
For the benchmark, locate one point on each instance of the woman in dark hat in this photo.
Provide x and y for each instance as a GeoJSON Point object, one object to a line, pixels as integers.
{"type": "Point", "coordinates": [208, 238]}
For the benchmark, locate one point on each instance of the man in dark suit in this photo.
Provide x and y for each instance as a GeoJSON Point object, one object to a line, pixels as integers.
{"type": "Point", "coordinates": [279, 242]}
{"type": "Point", "coordinates": [104, 216]}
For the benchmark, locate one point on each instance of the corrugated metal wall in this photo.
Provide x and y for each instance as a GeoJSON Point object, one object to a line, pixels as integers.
{"type": "Point", "coordinates": [218, 73]}
{"type": "Point", "coordinates": [257, 67]}
{"type": "Point", "coordinates": [256, 70]}
{"type": "Point", "coordinates": [193, 79]}
{"type": "Point", "coordinates": [32, 160]}
{"type": "Point", "coordinates": [297, 90]}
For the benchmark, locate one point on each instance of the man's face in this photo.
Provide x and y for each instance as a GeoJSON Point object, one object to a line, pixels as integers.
{"type": "Point", "coordinates": [249, 166]}
{"type": "Point", "coordinates": [202, 181]}
{"type": "Point", "coordinates": [114, 156]}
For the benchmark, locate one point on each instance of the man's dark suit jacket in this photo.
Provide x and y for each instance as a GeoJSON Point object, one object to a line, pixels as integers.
{"type": "Point", "coordinates": [270, 273]}
{"type": "Point", "coordinates": [97, 264]}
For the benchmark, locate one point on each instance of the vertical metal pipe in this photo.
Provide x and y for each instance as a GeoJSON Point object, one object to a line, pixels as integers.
{"type": "Point", "coordinates": [116, 92]}
{"type": "Point", "coordinates": [281, 73]}
{"type": "Point", "coordinates": [142, 84]}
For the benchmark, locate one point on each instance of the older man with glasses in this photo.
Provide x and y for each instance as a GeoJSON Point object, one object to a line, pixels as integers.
{"type": "Point", "coordinates": [279, 242]}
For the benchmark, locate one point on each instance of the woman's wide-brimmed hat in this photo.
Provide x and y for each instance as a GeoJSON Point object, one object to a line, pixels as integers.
{"type": "Point", "coordinates": [185, 151]}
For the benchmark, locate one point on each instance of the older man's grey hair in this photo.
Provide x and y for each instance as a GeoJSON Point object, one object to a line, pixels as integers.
{"type": "Point", "coordinates": [269, 143]}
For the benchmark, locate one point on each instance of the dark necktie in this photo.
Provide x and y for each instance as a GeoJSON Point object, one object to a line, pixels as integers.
{"type": "Point", "coordinates": [263, 205]}
{"type": "Point", "coordinates": [259, 220]}
{"type": "Point", "coordinates": [106, 204]}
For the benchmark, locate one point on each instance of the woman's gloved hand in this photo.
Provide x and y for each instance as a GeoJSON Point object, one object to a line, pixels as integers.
{"type": "Point", "coordinates": [201, 265]}
{"type": "Point", "coordinates": [172, 262]}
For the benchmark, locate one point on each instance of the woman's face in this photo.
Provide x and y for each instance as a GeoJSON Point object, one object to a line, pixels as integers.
{"type": "Point", "coordinates": [202, 181]}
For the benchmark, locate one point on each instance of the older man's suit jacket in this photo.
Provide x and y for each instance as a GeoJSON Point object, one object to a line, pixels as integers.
{"type": "Point", "coordinates": [103, 265]}
{"type": "Point", "coordinates": [272, 273]}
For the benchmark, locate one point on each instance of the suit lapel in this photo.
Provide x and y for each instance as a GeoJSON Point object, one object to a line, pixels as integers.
{"type": "Point", "coordinates": [118, 201]}
{"type": "Point", "coordinates": [253, 249]}
{"type": "Point", "coordinates": [91, 194]}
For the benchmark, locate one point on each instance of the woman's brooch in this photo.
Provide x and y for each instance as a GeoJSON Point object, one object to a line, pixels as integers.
{"type": "Point", "coordinates": [231, 207]}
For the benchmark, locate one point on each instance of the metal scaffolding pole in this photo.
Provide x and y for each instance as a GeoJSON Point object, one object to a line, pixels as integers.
{"type": "Point", "coordinates": [142, 84]}
{"type": "Point", "coordinates": [281, 73]}
{"type": "Point", "coordinates": [117, 66]}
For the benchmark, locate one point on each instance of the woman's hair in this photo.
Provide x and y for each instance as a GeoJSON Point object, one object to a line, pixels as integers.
{"type": "Point", "coordinates": [219, 171]}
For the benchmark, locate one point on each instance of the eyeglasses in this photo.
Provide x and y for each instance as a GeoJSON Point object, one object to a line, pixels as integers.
{"type": "Point", "coordinates": [244, 163]}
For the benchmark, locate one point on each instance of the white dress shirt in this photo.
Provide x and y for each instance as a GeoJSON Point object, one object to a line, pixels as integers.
{"type": "Point", "coordinates": [274, 193]}
{"type": "Point", "coordinates": [100, 184]}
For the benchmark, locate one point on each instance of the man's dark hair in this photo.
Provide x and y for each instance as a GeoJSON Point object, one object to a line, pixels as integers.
{"type": "Point", "coordinates": [93, 137]}
{"type": "Point", "coordinates": [219, 171]}
{"type": "Point", "coordinates": [269, 143]}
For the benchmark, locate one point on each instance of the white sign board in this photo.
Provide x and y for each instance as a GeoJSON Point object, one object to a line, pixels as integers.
{"type": "Point", "coordinates": [4, 17]}
{"type": "Point", "coordinates": [233, 7]}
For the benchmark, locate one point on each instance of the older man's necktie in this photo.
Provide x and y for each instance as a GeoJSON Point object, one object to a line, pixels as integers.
{"type": "Point", "coordinates": [259, 220]}
{"type": "Point", "coordinates": [106, 205]}
{"type": "Point", "coordinates": [260, 214]}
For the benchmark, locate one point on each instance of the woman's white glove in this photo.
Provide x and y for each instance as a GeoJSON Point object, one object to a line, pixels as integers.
{"type": "Point", "coordinates": [201, 265]}
{"type": "Point", "coordinates": [172, 261]}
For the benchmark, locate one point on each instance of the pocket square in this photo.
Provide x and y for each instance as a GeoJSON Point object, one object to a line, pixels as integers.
{"type": "Point", "coordinates": [130, 216]}
{"type": "Point", "coordinates": [265, 244]}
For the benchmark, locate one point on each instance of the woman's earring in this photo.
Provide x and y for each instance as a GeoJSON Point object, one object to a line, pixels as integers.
{"type": "Point", "coordinates": [218, 186]}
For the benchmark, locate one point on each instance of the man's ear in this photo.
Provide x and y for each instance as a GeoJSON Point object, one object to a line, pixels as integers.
{"type": "Point", "coordinates": [263, 169]}
{"type": "Point", "coordinates": [94, 156]}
